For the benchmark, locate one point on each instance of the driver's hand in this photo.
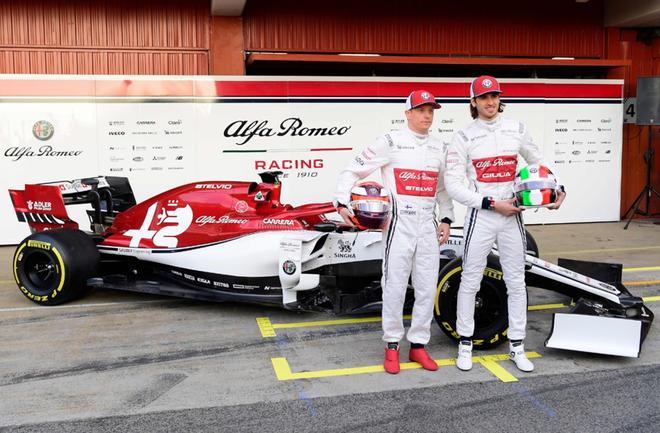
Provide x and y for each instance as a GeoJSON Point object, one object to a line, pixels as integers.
{"type": "Point", "coordinates": [507, 207]}
{"type": "Point", "coordinates": [443, 233]}
{"type": "Point", "coordinates": [561, 195]}
{"type": "Point", "coordinates": [346, 215]}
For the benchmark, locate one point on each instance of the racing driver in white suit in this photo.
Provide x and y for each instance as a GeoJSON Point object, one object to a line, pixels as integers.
{"type": "Point", "coordinates": [486, 152]}
{"type": "Point", "coordinates": [411, 163]}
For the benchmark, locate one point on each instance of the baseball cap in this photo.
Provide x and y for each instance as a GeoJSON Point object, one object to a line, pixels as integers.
{"type": "Point", "coordinates": [420, 97]}
{"type": "Point", "coordinates": [484, 84]}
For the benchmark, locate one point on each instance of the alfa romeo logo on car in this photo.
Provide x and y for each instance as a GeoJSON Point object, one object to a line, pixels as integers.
{"type": "Point", "coordinates": [43, 130]}
{"type": "Point", "coordinates": [289, 267]}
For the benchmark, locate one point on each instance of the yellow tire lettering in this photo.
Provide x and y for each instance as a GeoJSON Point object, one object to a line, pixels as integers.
{"type": "Point", "coordinates": [39, 244]}
{"type": "Point", "coordinates": [477, 342]}
{"type": "Point", "coordinates": [63, 273]}
{"type": "Point", "coordinates": [441, 287]}
{"type": "Point", "coordinates": [495, 338]}
{"type": "Point", "coordinates": [18, 256]}
{"type": "Point", "coordinates": [492, 273]}
{"type": "Point", "coordinates": [448, 327]}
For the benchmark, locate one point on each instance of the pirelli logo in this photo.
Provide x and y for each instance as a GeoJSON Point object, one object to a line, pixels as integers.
{"type": "Point", "coordinates": [492, 273]}
{"type": "Point", "coordinates": [39, 244]}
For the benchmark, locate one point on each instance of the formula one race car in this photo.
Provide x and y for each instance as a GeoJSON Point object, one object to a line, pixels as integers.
{"type": "Point", "coordinates": [235, 241]}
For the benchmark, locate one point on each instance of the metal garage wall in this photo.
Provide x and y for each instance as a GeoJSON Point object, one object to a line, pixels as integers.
{"type": "Point", "coordinates": [120, 37]}
{"type": "Point", "coordinates": [512, 28]}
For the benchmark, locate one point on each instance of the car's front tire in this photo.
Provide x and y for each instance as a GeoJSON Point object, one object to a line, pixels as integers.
{"type": "Point", "coordinates": [52, 267]}
{"type": "Point", "coordinates": [490, 314]}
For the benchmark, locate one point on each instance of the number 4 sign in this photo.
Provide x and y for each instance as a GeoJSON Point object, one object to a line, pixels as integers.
{"type": "Point", "coordinates": [629, 113]}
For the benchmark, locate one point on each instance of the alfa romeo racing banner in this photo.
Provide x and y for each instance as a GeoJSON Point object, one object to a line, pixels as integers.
{"type": "Point", "coordinates": [161, 132]}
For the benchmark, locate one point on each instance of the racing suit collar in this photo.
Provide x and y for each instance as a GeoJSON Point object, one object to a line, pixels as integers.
{"type": "Point", "coordinates": [491, 125]}
{"type": "Point", "coordinates": [417, 135]}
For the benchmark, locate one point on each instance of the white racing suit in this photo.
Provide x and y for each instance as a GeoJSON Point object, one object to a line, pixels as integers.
{"type": "Point", "coordinates": [411, 169]}
{"type": "Point", "coordinates": [487, 154]}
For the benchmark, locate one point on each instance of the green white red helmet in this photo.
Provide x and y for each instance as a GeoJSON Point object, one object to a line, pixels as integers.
{"type": "Point", "coordinates": [535, 186]}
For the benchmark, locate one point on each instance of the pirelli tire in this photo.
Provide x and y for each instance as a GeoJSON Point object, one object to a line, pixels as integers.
{"type": "Point", "coordinates": [52, 267]}
{"type": "Point", "coordinates": [491, 313]}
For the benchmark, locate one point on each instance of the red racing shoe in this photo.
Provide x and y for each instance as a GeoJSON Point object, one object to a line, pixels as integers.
{"type": "Point", "coordinates": [391, 363]}
{"type": "Point", "coordinates": [421, 356]}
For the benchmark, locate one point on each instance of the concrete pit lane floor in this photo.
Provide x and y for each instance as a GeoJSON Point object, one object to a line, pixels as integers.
{"type": "Point", "coordinates": [117, 361]}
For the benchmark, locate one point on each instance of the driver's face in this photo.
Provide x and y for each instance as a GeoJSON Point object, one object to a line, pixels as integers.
{"type": "Point", "coordinates": [487, 105]}
{"type": "Point", "coordinates": [420, 118]}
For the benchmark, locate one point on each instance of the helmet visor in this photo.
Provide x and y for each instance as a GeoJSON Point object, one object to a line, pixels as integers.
{"type": "Point", "coordinates": [535, 185]}
{"type": "Point", "coordinates": [372, 206]}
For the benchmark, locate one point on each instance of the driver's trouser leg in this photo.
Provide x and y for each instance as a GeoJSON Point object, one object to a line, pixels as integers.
{"type": "Point", "coordinates": [511, 245]}
{"type": "Point", "coordinates": [424, 280]}
{"type": "Point", "coordinates": [397, 264]}
{"type": "Point", "coordinates": [479, 234]}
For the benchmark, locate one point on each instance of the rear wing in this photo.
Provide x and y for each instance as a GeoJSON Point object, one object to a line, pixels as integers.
{"type": "Point", "coordinates": [43, 206]}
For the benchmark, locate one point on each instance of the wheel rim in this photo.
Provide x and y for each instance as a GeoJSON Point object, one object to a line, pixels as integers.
{"type": "Point", "coordinates": [488, 306]}
{"type": "Point", "coordinates": [41, 271]}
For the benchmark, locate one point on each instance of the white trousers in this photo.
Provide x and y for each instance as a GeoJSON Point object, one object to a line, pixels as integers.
{"type": "Point", "coordinates": [482, 229]}
{"type": "Point", "coordinates": [409, 249]}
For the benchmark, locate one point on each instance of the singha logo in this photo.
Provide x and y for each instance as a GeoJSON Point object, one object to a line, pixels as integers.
{"type": "Point", "coordinates": [345, 250]}
{"type": "Point", "coordinates": [344, 246]}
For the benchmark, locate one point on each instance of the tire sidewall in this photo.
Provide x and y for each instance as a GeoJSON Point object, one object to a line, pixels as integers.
{"type": "Point", "coordinates": [74, 256]}
{"type": "Point", "coordinates": [492, 288]}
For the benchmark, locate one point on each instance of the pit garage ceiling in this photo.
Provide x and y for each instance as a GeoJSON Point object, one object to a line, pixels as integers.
{"type": "Point", "coordinates": [629, 13]}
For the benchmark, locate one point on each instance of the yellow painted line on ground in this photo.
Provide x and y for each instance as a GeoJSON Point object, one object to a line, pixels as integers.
{"type": "Point", "coordinates": [641, 283]}
{"type": "Point", "coordinates": [490, 362]}
{"type": "Point", "coordinates": [326, 323]}
{"type": "Point", "coordinates": [545, 307]}
{"type": "Point", "coordinates": [283, 369]}
{"type": "Point", "coordinates": [651, 299]}
{"type": "Point", "coordinates": [268, 329]}
{"type": "Point", "coordinates": [265, 327]}
{"type": "Point", "coordinates": [7, 281]}
{"type": "Point", "coordinates": [497, 370]}
{"type": "Point", "coordinates": [603, 250]}
{"type": "Point", "coordinates": [642, 269]}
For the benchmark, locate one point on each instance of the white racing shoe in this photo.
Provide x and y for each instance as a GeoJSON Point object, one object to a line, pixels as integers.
{"type": "Point", "coordinates": [464, 359]}
{"type": "Point", "coordinates": [517, 355]}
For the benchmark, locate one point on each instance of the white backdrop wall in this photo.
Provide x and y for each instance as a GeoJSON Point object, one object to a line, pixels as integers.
{"type": "Point", "coordinates": [162, 131]}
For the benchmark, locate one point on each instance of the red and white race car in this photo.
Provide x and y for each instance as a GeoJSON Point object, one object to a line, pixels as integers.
{"type": "Point", "coordinates": [235, 241]}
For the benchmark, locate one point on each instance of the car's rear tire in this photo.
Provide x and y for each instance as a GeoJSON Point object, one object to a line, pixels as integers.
{"type": "Point", "coordinates": [490, 314]}
{"type": "Point", "coordinates": [52, 267]}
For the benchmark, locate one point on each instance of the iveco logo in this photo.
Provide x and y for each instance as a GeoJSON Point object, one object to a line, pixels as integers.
{"type": "Point", "coordinates": [561, 129]}
{"type": "Point", "coordinates": [116, 133]}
